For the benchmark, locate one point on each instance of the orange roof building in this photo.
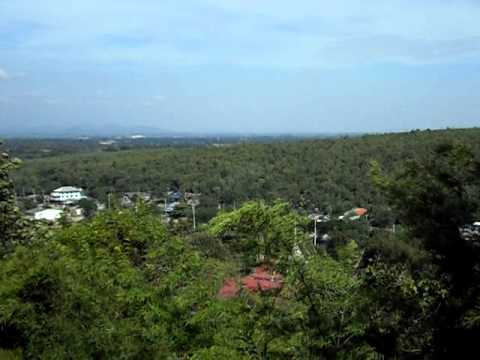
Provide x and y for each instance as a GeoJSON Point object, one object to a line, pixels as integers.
{"type": "Point", "coordinates": [360, 211]}
{"type": "Point", "coordinates": [259, 281]}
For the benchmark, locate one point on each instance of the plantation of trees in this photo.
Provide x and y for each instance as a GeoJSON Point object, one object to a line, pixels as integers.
{"type": "Point", "coordinates": [124, 285]}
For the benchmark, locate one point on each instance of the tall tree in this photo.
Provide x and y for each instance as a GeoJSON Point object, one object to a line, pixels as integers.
{"type": "Point", "coordinates": [12, 226]}
{"type": "Point", "coordinates": [432, 198]}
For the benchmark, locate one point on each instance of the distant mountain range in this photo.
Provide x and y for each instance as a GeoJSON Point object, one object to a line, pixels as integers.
{"type": "Point", "coordinates": [101, 130]}
{"type": "Point", "coordinates": [108, 131]}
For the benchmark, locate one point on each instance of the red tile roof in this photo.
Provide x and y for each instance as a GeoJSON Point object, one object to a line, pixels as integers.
{"type": "Point", "coordinates": [360, 211]}
{"type": "Point", "coordinates": [229, 290]}
{"type": "Point", "coordinates": [260, 280]}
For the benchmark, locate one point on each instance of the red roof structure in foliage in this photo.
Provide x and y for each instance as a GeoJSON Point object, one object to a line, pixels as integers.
{"type": "Point", "coordinates": [361, 211]}
{"type": "Point", "coordinates": [229, 290]}
{"type": "Point", "coordinates": [260, 280]}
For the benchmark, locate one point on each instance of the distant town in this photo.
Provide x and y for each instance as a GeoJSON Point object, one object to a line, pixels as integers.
{"type": "Point", "coordinates": [71, 203]}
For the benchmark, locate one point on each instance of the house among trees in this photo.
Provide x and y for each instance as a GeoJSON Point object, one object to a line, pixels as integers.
{"type": "Point", "coordinates": [174, 196]}
{"type": "Point", "coordinates": [107, 142]}
{"type": "Point", "coordinates": [48, 215]}
{"type": "Point", "coordinates": [471, 233]}
{"type": "Point", "coordinates": [259, 281]}
{"type": "Point", "coordinates": [130, 198]}
{"type": "Point", "coordinates": [67, 194]}
{"type": "Point", "coordinates": [172, 200]}
{"type": "Point", "coordinates": [354, 214]}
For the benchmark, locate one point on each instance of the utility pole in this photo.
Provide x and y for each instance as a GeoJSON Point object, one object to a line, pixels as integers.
{"type": "Point", "coordinates": [194, 222]}
{"type": "Point", "coordinates": [315, 218]}
{"type": "Point", "coordinates": [193, 202]}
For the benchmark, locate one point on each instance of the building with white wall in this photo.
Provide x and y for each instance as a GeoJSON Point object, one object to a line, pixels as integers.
{"type": "Point", "coordinates": [67, 194]}
{"type": "Point", "coordinates": [48, 215]}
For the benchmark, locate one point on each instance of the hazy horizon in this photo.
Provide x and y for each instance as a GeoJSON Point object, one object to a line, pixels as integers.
{"type": "Point", "coordinates": [238, 67]}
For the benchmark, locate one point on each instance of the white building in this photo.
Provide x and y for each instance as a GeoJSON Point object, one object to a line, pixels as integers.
{"type": "Point", "coordinates": [67, 194]}
{"type": "Point", "coordinates": [48, 214]}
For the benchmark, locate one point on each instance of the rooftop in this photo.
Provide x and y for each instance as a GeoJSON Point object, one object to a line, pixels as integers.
{"type": "Point", "coordinates": [48, 214]}
{"type": "Point", "coordinates": [360, 211]}
{"type": "Point", "coordinates": [259, 281]}
{"type": "Point", "coordinates": [68, 189]}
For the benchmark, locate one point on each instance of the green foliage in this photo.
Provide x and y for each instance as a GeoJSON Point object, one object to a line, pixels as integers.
{"type": "Point", "coordinates": [397, 248]}
{"type": "Point", "coordinates": [402, 308]}
{"type": "Point", "coordinates": [14, 228]}
{"type": "Point", "coordinates": [209, 245]}
{"type": "Point", "coordinates": [124, 285]}
{"type": "Point", "coordinates": [117, 287]}
{"type": "Point", "coordinates": [432, 198]}
{"type": "Point", "coordinates": [11, 354]}
{"type": "Point", "coordinates": [316, 315]}
{"type": "Point", "coordinates": [261, 233]}
{"type": "Point", "coordinates": [74, 296]}
{"type": "Point", "coordinates": [329, 303]}
{"type": "Point", "coordinates": [328, 174]}
{"type": "Point", "coordinates": [88, 206]}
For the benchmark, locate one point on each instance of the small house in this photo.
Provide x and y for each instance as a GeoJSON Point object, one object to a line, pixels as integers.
{"type": "Point", "coordinates": [354, 214]}
{"type": "Point", "coordinates": [48, 215]}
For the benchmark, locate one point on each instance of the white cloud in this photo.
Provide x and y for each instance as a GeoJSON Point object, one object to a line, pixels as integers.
{"type": "Point", "coordinates": [4, 75]}
{"type": "Point", "coordinates": [306, 33]}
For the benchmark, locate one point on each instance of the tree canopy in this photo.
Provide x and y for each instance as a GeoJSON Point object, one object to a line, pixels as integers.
{"type": "Point", "coordinates": [126, 284]}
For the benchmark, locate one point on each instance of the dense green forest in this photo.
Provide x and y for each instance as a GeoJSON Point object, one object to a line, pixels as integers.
{"type": "Point", "coordinates": [125, 285]}
{"type": "Point", "coordinates": [328, 174]}
{"type": "Point", "coordinates": [36, 148]}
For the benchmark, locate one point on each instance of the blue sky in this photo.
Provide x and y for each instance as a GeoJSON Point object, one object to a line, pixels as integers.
{"type": "Point", "coordinates": [239, 65]}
